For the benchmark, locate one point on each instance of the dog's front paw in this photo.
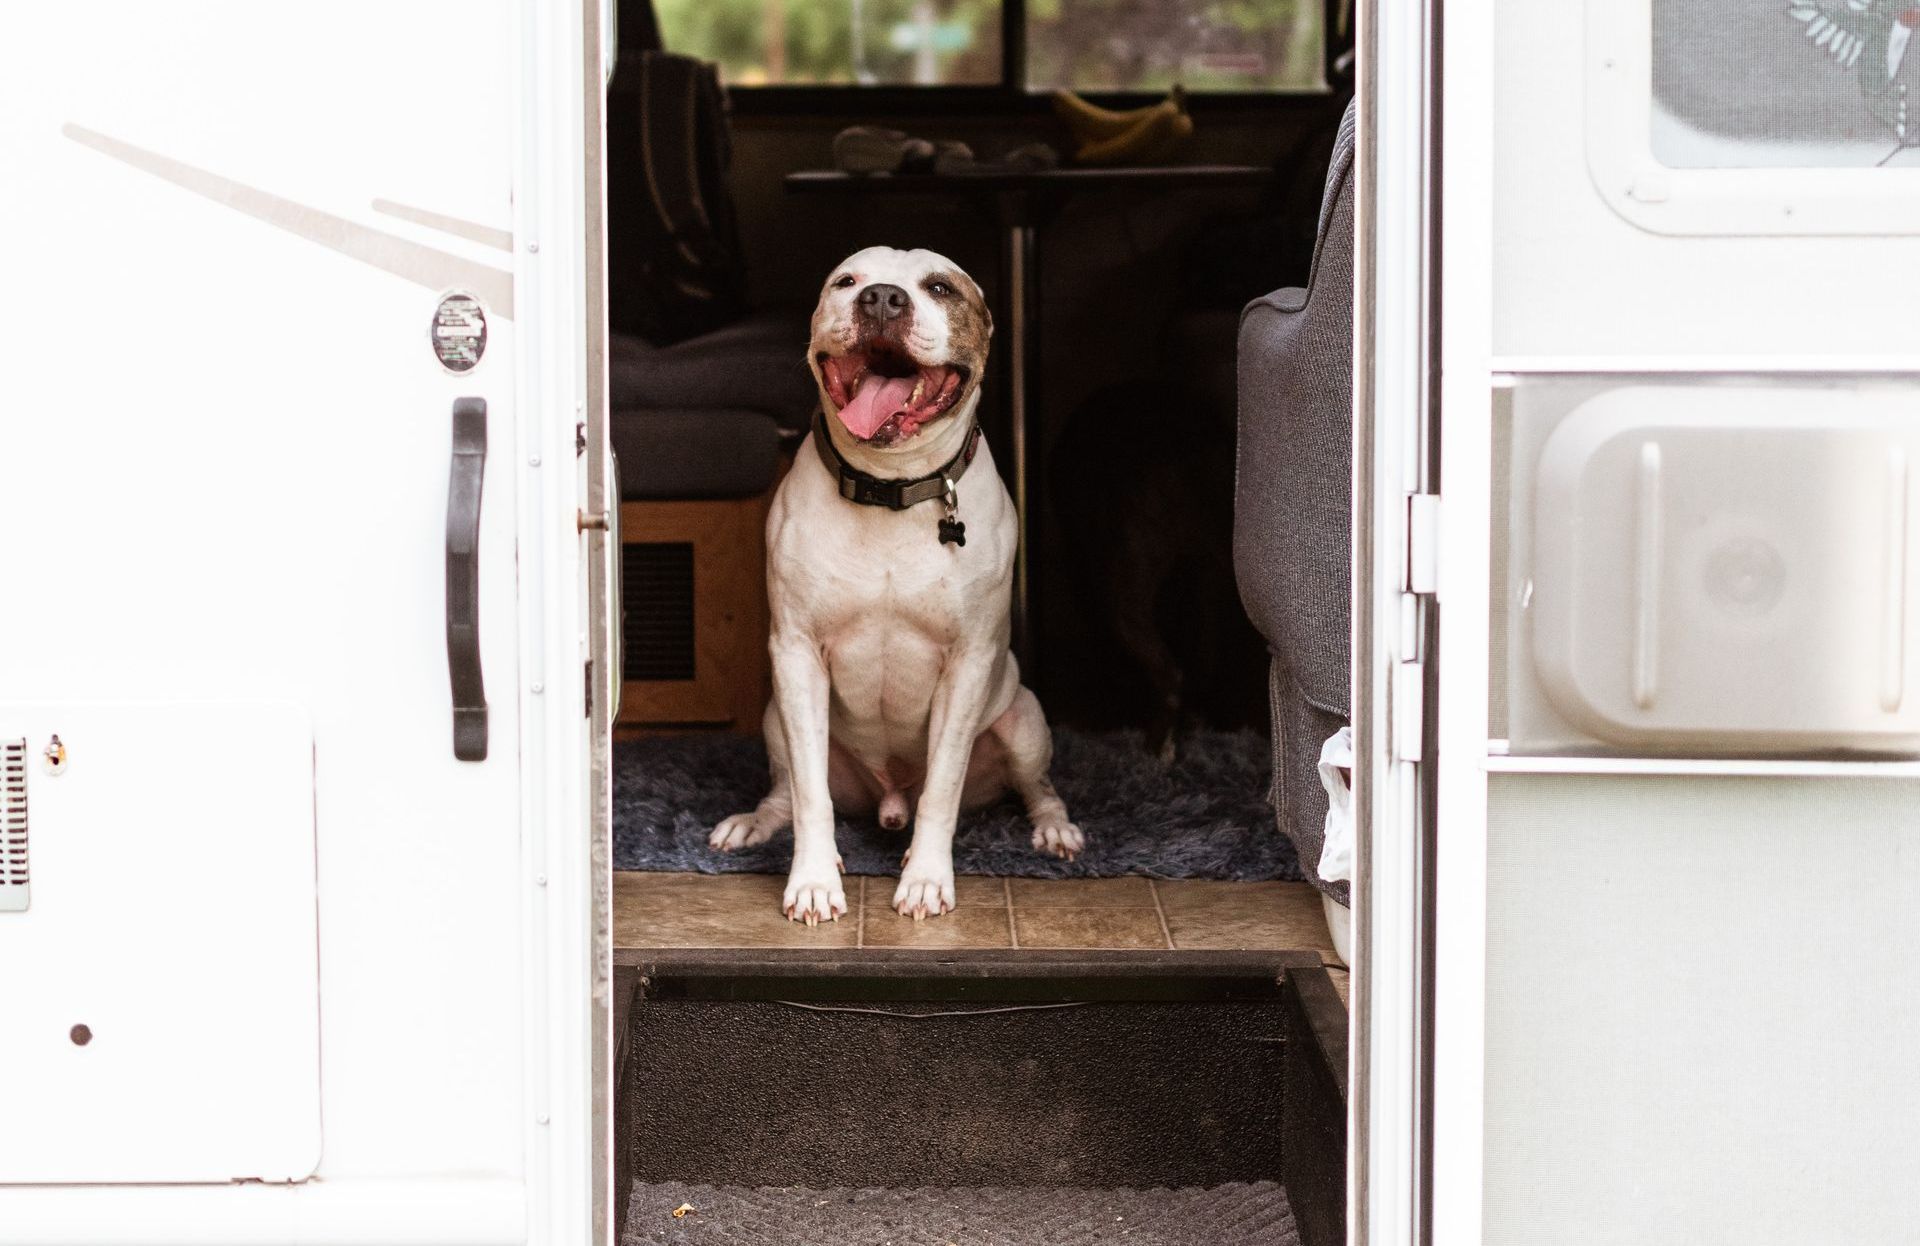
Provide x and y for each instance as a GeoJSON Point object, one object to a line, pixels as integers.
{"type": "Point", "coordinates": [924, 893]}
{"type": "Point", "coordinates": [1058, 838]}
{"type": "Point", "coordinates": [814, 895]}
{"type": "Point", "coordinates": [742, 830]}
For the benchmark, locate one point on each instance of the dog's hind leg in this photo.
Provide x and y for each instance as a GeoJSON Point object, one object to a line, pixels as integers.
{"type": "Point", "coordinates": [775, 812]}
{"type": "Point", "coordinates": [1023, 734]}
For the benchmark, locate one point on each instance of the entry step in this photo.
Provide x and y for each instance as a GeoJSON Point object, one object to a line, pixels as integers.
{"type": "Point", "coordinates": [1236, 1214]}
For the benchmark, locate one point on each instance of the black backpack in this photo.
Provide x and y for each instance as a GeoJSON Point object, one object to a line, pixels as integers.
{"type": "Point", "coordinates": [673, 248]}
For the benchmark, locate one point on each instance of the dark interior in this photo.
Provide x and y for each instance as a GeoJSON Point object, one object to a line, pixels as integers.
{"type": "Point", "coordinates": [1139, 300]}
{"type": "Point", "coordinates": [1186, 551]}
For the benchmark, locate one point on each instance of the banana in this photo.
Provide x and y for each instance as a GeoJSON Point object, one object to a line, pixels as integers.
{"type": "Point", "coordinates": [1090, 122]}
{"type": "Point", "coordinates": [1152, 137]}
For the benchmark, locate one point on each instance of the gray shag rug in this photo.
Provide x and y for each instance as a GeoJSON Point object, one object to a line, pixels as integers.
{"type": "Point", "coordinates": [1204, 816]}
{"type": "Point", "coordinates": [1227, 1215]}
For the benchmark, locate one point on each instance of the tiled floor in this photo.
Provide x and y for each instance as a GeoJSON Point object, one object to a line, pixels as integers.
{"type": "Point", "coordinates": [743, 910]}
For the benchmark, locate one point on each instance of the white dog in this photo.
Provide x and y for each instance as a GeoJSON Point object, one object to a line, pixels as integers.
{"type": "Point", "coordinates": [889, 572]}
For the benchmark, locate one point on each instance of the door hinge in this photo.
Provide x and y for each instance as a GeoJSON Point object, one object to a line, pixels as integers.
{"type": "Point", "coordinates": [1409, 710]}
{"type": "Point", "coordinates": [1423, 544]}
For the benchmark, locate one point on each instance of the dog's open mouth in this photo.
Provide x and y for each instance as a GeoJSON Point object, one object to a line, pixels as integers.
{"type": "Point", "coordinates": [883, 396]}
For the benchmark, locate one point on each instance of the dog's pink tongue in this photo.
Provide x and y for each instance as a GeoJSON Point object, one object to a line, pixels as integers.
{"type": "Point", "coordinates": [878, 398]}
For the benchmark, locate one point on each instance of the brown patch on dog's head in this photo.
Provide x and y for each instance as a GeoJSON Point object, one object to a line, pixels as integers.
{"type": "Point", "coordinates": [969, 322]}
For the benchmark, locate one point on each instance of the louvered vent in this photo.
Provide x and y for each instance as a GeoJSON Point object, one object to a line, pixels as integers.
{"type": "Point", "coordinates": [657, 590]}
{"type": "Point", "coordinates": [13, 826]}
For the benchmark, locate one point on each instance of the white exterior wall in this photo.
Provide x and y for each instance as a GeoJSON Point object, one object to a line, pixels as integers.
{"type": "Point", "coordinates": [223, 478]}
{"type": "Point", "coordinates": [1667, 991]}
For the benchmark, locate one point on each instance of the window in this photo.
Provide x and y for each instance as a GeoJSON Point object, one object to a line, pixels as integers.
{"type": "Point", "coordinates": [1797, 84]}
{"type": "Point", "coordinates": [1148, 45]}
{"type": "Point", "coordinates": [1087, 45]}
{"type": "Point", "coordinates": [1754, 118]}
{"type": "Point", "coordinates": [839, 42]}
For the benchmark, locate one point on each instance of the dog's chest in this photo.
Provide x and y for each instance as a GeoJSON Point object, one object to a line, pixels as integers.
{"type": "Point", "coordinates": [888, 580]}
{"type": "Point", "coordinates": [875, 586]}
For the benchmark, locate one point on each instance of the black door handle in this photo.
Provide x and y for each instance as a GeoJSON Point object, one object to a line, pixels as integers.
{"type": "Point", "coordinates": [463, 578]}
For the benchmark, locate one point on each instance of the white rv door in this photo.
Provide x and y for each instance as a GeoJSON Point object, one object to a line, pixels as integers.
{"type": "Point", "coordinates": [1677, 897]}
{"type": "Point", "coordinates": [293, 727]}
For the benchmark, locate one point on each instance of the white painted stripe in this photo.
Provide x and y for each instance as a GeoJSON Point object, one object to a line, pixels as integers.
{"type": "Point", "coordinates": [410, 261]}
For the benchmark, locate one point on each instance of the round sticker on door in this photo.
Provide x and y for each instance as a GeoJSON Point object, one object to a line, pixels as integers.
{"type": "Point", "coordinates": [459, 332]}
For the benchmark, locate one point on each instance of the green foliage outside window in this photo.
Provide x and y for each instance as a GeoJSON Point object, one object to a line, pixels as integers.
{"type": "Point", "coordinates": [1093, 45]}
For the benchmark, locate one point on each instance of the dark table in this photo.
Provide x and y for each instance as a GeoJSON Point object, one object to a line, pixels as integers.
{"type": "Point", "coordinates": [1022, 201]}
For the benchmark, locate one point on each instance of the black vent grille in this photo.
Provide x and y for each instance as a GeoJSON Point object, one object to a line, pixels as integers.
{"type": "Point", "coordinates": [657, 591]}
{"type": "Point", "coordinates": [13, 825]}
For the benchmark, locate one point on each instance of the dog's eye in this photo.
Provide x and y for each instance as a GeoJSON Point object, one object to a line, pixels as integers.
{"type": "Point", "coordinates": [843, 281]}
{"type": "Point", "coordinates": [939, 289]}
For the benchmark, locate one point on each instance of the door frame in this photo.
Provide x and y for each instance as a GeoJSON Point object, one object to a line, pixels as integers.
{"type": "Point", "coordinates": [1423, 398]}
{"type": "Point", "coordinates": [600, 537]}
{"type": "Point", "coordinates": [1395, 620]}
{"type": "Point", "coordinates": [564, 816]}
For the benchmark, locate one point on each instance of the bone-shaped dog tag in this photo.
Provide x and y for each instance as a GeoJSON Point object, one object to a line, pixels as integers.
{"type": "Point", "coordinates": [952, 531]}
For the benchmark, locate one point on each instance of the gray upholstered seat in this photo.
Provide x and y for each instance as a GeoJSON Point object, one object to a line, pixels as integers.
{"type": "Point", "coordinates": [1292, 525]}
{"type": "Point", "coordinates": [668, 455]}
{"type": "Point", "coordinates": [756, 364]}
{"type": "Point", "coordinates": [704, 418]}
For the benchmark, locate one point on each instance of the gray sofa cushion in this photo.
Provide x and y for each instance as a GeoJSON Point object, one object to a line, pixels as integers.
{"type": "Point", "coordinates": [676, 454]}
{"type": "Point", "coordinates": [1293, 493]}
{"type": "Point", "coordinates": [758, 364]}
{"type": "Point", "coordinates": [1292, 526]}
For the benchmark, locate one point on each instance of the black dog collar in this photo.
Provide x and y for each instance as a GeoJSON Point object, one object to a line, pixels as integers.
{"type": "Point", "coordinates": [898, 494]}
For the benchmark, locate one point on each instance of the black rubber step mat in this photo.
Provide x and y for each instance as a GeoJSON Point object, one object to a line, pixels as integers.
{"type": "Point", "coordinates": [1240, 1214]}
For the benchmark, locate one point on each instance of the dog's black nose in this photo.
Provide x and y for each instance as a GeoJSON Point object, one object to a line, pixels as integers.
{"type": "Point", "coordinates": [883, 302]}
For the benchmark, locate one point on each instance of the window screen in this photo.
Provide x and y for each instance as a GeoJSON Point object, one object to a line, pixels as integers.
{"type": "Point", "coordinates": [1785, 83]}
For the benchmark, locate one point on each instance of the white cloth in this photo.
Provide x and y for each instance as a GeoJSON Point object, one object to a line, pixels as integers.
{"type": "Point", "coordinates": [1336, 850]}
